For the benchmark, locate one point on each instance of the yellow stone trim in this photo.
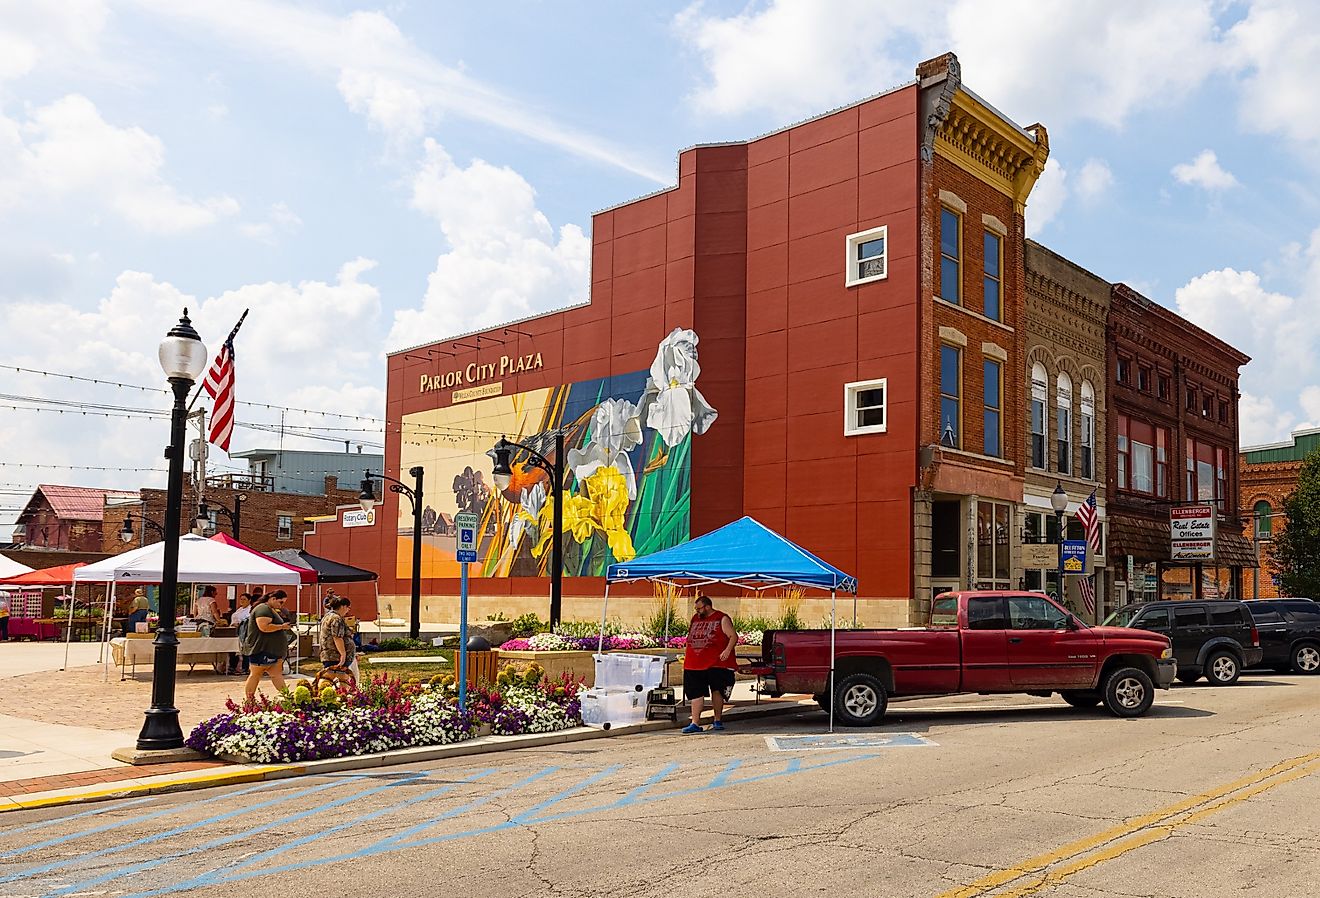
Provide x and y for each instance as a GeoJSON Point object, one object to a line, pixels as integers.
{"type": "Point", "coordinates": [984, 144]}
{"type": "Point", "coordinates": [994, 351]}
{"type": "Point", "coordinates": [953, 201]}
{"type": "Point", "coordinates": [953, 335]}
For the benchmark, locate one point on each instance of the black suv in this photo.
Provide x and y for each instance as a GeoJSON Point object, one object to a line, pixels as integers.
{"type": "Point", "coordinates": [1217, 639]}
{"type": "Point", "coordinates": [1289, 633]}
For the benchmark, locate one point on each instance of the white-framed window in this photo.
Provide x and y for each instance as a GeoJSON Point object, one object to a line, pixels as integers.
{"type": "Point", "coordinates": [1063, 423]}
{"type": "Point", "coordinates": [864, 407]}
{"type": "Point", "coordinates": [1040, 388]}
{"type": "Point", "coordinates": [284, 527]}
{"type": "Point", "coordinates": [1088, 431]}
{"type": "Point", "coordinates": [868, 256]}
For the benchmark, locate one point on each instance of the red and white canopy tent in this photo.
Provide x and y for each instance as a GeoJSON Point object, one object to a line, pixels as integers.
{"type": "Point", "coordinates": [54, 578]}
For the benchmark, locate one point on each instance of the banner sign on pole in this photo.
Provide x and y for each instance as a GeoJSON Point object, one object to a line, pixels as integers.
{"type": "Point", "coordinates": [466, 523]}
{"type": "Point", "coordinates": [1192, 533]}
{"type": "Point", "coordinates": [1074, 556]}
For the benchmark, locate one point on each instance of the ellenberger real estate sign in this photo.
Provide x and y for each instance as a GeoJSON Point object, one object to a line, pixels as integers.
{"type": "Point", "coordinates": [1192, 533]}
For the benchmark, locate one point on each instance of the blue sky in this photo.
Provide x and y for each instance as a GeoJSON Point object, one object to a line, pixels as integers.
{"type": "Point", "coordinates": [363, 176]}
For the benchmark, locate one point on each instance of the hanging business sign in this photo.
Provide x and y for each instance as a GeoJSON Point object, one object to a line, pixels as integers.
{"type": "Point", "coordinates": [1074, 556]}
{"type": "Point", "coordinates": [1192, 533]}
{"type": "Point", "coordinates": [1040, 555]}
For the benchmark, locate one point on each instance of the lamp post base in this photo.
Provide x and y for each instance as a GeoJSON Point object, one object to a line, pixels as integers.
{"type": "Point", "coordinates": [160, 730]}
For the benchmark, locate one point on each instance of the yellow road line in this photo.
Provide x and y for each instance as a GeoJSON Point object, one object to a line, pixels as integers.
{"type": "Point", "coordinates": [1039, 863]}
{"type": "Point", "coordinates": [227, 778]}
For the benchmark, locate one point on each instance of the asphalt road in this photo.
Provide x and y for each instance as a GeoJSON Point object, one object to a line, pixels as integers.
{"type": "Point", "coordinates": [1214, 793]}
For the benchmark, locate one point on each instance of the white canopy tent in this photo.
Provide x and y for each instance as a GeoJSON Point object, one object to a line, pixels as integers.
{"type": "Point", "coordinates": [200, 561]}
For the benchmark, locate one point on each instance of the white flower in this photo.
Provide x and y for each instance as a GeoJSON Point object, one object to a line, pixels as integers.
{"type": "Point", "coordinates": [672, 404]}
{"type": "Point", "coordinates": [616, 427]}
{"type": "Point", "coordinates": [528, 515]}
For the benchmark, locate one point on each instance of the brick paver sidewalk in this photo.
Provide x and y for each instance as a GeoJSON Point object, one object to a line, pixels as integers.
{"type": "Point", "coordinates": [35, 784]}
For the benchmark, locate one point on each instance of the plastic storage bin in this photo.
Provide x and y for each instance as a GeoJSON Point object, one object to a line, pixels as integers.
{"type": "Point", "coordinates": [639, 673]}
{"type": "Point", "coordinates": [606, 708]}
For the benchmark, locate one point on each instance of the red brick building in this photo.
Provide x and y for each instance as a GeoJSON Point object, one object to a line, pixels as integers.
{"type": "Point", "coordinates": [820, 328]}
{"type": "Point", "coordinates": [1173, 425]}
{"type": "Point", "coordinates": [68, 518]}
{"type": "Point", "coordinates": [1267, 476]}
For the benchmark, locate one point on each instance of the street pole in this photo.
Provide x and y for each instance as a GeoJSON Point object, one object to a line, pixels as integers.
{"type": "Point", "coordinates": [415, 629]}
{"type": "Point", "coordinates": [183, 356]}
{"type": "Point", "coordinates": [237, 515]}
{"type": "Point", "coordinates": [462, 637]}
{"type": "Point", "coordinates": [557, 546]}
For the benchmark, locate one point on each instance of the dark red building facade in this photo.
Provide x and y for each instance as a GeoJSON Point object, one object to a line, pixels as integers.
{"type": "Point", "coordinates": [820, 328]}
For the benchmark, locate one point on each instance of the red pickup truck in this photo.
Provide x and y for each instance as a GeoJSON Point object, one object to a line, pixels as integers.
{"type": "Point", "coordinates": [984, 642]}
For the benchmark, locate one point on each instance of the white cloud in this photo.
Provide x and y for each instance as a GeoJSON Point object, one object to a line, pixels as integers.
{"type": "Point", "coordinates": [1094, 179]}
{"type": "Point", "coordinates": [291, 351]}
{"type": "Point", "coordinates": [1260, 421]}
{"type": "Point", "coordinates": [799, 57]}
{"type": "Point", "coordinates": [1205, 172]}
{"type": "Point", "coordinates": [66, 150]}
{"type": "Point", "coordinates": [794, 57]}
{"type": "Point", "coordinates": [1272, 47]}
{"type": "Point", "coordinates": [501, 249]}
{"type": "Point", "coordinates": [1047, 197]}
{"type": "Point", "coordinates": [383, 75]}
{"type": "Point", "coordinates": [34, 33]}
{"type": "Point", "coordinates": [281, 220]}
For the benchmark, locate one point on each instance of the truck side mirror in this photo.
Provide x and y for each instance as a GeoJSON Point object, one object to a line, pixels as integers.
{"type": "Point", "coordinates": [1073, 622]}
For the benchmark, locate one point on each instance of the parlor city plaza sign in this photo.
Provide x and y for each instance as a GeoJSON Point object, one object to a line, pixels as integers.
{"type": "Point", "coordinates": [480, 372]}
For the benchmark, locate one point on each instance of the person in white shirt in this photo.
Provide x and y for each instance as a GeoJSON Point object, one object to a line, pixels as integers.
{"type": "Point", "coordinates": [238, 664]}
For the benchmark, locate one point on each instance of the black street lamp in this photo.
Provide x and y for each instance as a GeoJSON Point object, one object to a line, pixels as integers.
{"type": "Point", "coordinates": [503, 474]}
{"type": "Point", "coordinates": [126, 532]}
{"type": "Point", "coordinates": [235, 516]}
{"type": "Point", "coordinates": [367, 499]}
{"type": "Point", "coordinates": [1059, 502]}
{"type": "Point", "coordinates": [183, 358]}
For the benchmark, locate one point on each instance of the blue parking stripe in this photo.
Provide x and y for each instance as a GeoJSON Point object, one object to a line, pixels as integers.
{"type": "Point", "coordinates": [178, 830]}
{"type": "Point", "coordinates": [142, 866]}
{"type": "Point", "coordinates": [143, 818]}
{"type": "Point", "coordinates": [92, 813]}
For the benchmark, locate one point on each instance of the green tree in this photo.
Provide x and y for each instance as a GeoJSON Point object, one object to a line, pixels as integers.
{"type": "Point", "coordinates": [1295, 553]}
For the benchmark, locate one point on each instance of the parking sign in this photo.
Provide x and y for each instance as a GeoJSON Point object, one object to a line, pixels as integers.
{"type": "Point", "coordinates": [467, 536]}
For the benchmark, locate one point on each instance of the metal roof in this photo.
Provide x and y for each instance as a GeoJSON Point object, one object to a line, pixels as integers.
{"type": "Point", "coordinates": [76, 503]}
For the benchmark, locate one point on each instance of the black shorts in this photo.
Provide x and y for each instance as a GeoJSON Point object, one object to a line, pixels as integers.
{"type": "Point", "coordinates": [261, 659]}
{"type": "Point", "coordinates": [699, 683]}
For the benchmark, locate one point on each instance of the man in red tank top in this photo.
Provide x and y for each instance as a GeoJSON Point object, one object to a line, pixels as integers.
{"type": "Point", "coordinates": [708, 662]}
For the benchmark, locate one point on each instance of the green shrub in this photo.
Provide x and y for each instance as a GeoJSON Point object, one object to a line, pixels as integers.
{"type": "Point", "coordinates": [529, 625]}
{"type": "Point", "coordinates": [753, 622]}
{"type": "Point", "coordinates": [498, 617]}
{"type": "Point", "coordinates": [790, 605]}
{"type": "Point", "coordinates": [402, 643]}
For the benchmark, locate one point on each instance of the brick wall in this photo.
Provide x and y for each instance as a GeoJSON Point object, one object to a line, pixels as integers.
{"type": "Point", "coordinates": [259, 518]}
{"type": "Point", "coordinates": [1270, 482]}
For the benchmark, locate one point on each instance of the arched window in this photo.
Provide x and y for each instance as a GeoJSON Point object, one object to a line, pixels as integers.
{"type": "Point", "coordinates": [1262, 513]}
{"type": "Point", "coordinates": [1063, 422]}
{"type": "Point", "coordinates": [1088, 431]}
{"type": "Point", "coordinates": [1040, 391]}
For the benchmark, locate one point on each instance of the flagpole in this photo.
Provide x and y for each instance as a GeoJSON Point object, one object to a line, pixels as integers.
{"type": "Point", "coordinates": [233, 333]}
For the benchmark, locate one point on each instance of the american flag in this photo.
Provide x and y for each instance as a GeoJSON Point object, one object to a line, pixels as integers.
{"type": "Point", "coordinates": [219, 385]}
{"type": "Point", "coordinates": [1088, 516]}
{"type": "Point", "coordinates": [1087, 587]}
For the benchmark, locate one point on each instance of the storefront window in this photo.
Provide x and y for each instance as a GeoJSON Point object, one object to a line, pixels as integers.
{"type": "Point", "coordinates": [993, 544]}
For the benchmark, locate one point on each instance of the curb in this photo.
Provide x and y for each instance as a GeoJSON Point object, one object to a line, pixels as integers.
{"type": "Point", "coordinates": [249, 773]}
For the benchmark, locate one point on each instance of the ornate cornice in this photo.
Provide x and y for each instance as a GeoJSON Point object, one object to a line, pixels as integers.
{"type": "Point", "coordinates": [937, 103]}
{"type": "Point", "coordinates": [980, 140]}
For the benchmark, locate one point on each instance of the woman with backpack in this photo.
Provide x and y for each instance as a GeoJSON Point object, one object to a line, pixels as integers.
{"type": "Point", "coordinates": [266, 642]}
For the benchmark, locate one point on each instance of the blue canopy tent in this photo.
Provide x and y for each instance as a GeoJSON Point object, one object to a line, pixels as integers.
{"type": "Point", "coordinates": [746, 554]}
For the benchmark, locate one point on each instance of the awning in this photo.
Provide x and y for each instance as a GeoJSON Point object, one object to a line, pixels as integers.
{"type": "Point", "coordinates": [1234, 550]}
{"type": "Point", "coordinates": [327, 570]}
{"type": "Point", "coordinates": [1146, 540]}
{"type": "Point", "coordinates": [51, 576]}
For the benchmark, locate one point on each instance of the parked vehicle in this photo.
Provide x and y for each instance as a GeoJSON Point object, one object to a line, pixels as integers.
{"type": "Point", "coordinates": [1289, 634]}
{"type": "Point", "coordinates": [986, 642]}
{"type": "Point", "coordinates": [1217, 639]}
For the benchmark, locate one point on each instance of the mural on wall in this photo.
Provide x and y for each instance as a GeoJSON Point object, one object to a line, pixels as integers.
{"type": "Point", "coordinates": [627, 470]}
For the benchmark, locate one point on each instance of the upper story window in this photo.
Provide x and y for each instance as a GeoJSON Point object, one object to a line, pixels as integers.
{"type": "Point", "coordinates": [1087, 469]}
{"type": "Point", "coordinates": [993, 275]}
{"type": "Point", "coordinates": [950, 396]}
{"type": "Point", "coordinates": [1207, 472]}
{"type": "Point", "coordinates": [1191, 399]}
{"type": "Point", "coordinates": [950, 255]}
{"type": "Point", "coordinates": [1207, 405]}
{"type": "Point", "coordinates": [864, 407]}
{"type": "Point", "coordinates": [1124, 370]}
{"type": "Point", "coordinates": [992, 420]}
{"type": "Point", "coordinates": [1143, 457]}
{"type": "Point", "coordinates": [1143, 379]}
{"type": "Point", "coordinates": [1162, 386]}
{"type": "Point", "coordinates": [1223, 412]}
{"type": "Point", "coordinates": [1262, 512]}
{"type": "Point", "coordinates": [284, 527]}
{"type": "Point", "coordinates": [868, 256]}
{"type": "Point", "coordinates": [1063, 423]}
{"type": "Point", "coordinates": [1040, 388]}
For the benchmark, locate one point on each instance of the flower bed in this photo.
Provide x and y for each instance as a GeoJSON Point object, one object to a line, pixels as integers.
{"type": "Point", "coordinates": [386, 713]}
{"type": "Point", "coordinates": [620, 642]}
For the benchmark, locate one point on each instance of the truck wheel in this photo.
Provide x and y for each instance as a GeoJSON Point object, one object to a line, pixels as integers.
{"type": "Point", "coordinates": [1222, 669]}
{"type": "Point", "coordinates": [1084, 699]}
{"type": "Point", "coordinates": [859, 700]}
{"type": "Point", "coordinates": [1306, 658]}
{"type": "Point", "coordinates": [1128, 692]}
{"type": "Point", "coordinates": [823, 699]}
